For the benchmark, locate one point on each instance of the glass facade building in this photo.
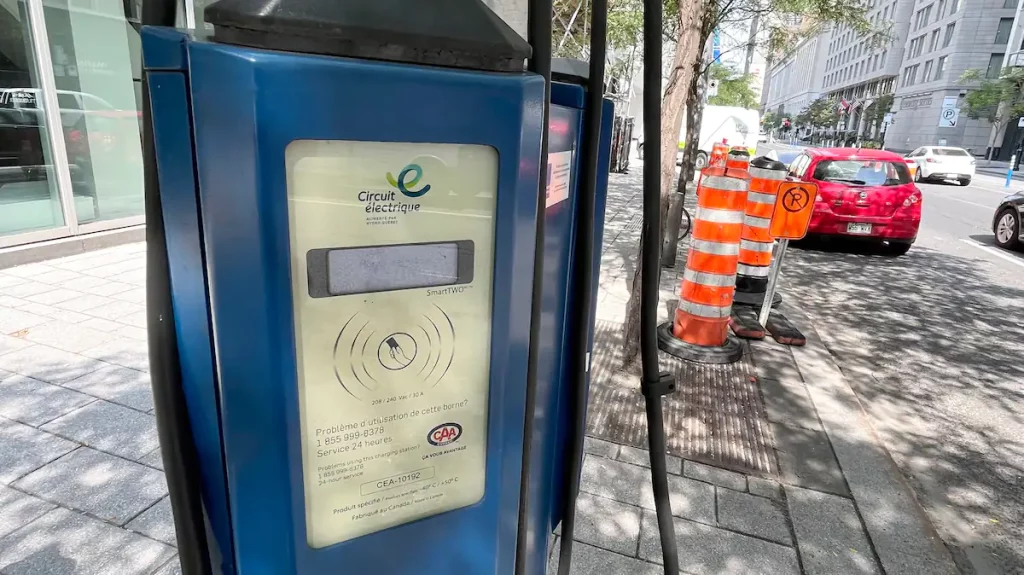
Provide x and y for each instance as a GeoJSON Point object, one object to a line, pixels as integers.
{"type": "Point", "coordinates": [70, 117]}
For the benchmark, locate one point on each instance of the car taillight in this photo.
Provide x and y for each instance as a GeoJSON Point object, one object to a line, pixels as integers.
{"type": "Point", "coordinates": [911, 200]}
{"type": "Point", "coordinates": [929, 160]}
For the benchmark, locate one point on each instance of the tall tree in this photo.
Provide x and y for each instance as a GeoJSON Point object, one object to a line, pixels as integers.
{"type": "Point", "coordinates": [997, 100]}
{"type": "Point", "coordinates": [820, 114]}
{"type": "Point", "coordinates": [688, 26]}
{"type": "Point", "coordinates": [733, 89]}
{"type": "Point", "coordinates": [771, 121]}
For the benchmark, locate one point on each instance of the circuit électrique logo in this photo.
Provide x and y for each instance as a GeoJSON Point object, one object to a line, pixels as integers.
{"type": "Point", "coordinates": [404, 185]}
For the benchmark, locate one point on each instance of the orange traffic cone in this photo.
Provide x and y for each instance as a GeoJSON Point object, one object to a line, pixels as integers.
{"type": "Point", "coordinates": [700, 330]}
{"type": "Point", "coordinates": [756, 244]}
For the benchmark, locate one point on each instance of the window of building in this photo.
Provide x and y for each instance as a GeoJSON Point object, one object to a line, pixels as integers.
{"type": "Point", "coordinates": [954, 5]}
{"type": "Point", "coordinates": [941, 10]}
{"type": "Point", "coordinates": [926, 74]}
{"type": "Point", "coordinates": [949, 35]}
{"type": "Point", "coordinates": [940, 64]}
{"type": "Point", "coordinates": [934, 43]}
{"type": "Point", "coordinates": [885, 13]}
{"type": "Point", "coordinates": [995, 66]}
{"type": "Point", "coordinates": [1010, 4]}
{"type": "Point", "coordinates": [910, 75]}
{"type": "Point", "coordinates": [922, 17]}
{"type": "Point", "coordinates": [1003, 31]}
{"type": "Point", "coordinates": [884, 53]}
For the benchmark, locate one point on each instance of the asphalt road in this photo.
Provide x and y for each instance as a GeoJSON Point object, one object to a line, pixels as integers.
{"type": "Point", "coordinates": [933, 343]}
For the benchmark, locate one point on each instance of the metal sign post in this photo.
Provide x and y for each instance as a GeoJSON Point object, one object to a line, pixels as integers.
{"type": "Point", "coordinates": [793, 208]}
{"type": "Point", "coordinates": [773, 280]}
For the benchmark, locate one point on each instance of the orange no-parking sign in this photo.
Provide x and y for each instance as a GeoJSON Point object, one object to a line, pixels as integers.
{"type": "Point", "coordinates": [793, 208]}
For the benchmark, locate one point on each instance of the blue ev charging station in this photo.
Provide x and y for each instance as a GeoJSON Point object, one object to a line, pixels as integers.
{"type": "Point", "coordinates": [370, 313]}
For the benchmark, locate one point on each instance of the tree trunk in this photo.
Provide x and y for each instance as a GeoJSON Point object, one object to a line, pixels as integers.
{"type": "Point", "coordinates": [694, 117]}
{"type": "Point", "coordinates": [694, 114]}
{"type": "Point", "coordinates": [688, 49]}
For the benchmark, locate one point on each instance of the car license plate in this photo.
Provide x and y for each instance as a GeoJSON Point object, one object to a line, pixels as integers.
{"type": "Point", "coordinates": [858, 228]}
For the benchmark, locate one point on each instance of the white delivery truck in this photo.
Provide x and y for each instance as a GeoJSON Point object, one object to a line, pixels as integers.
{"type": "Point", "coordinates": [732, 125]}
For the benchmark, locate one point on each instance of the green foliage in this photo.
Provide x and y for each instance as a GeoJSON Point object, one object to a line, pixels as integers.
{"type": "Point", "coordinates": [984, 101]}
{"type": "Point", "coordinates": [733, 89]}
{"type": "Point", "coordinates": [879, 109]}
{"type": "Point", "coordinates": [771, 121]}
{"type": "Point", "coordinates": [820, 113]}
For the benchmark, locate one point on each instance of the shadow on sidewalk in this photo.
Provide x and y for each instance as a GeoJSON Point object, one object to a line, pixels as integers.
{"type": "Point", "coordinates": [932, 346]}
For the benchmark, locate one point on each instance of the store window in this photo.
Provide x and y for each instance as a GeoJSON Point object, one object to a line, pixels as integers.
{"type": "Point", "coordinates": [94, 50]}
{"type": "Point", "coordinates": [29, 196]}
{"type": "Point", "coordinates": [70, 123]}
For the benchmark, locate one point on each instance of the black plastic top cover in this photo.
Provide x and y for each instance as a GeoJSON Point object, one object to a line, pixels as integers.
{"type": "Point", "coordinates": [766, 163]}
{"type": "Point", "coordinates": [454, 33]}
{"type": "Point", "coordinates": [570, 70]}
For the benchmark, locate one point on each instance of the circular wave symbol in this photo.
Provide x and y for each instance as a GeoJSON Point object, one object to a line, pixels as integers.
{"type": "Point", "coordinates": [403, 185]}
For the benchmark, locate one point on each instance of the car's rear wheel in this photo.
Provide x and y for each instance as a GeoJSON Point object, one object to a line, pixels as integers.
{"type": "Point", "coordinates": [640, 150]}
{"type": "Point", "coordinates": [964, 181]}
{"type": "Point", "coordinates": [701, 162]}
{"type": "Point", "coordinates": [917, 176]}
{"type": "Point", "coordinates": [897, 248]}
{"type": "Point", "coordinates": [1007, 228]}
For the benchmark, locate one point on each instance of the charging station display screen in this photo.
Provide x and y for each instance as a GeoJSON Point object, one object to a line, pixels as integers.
{"type": "Point", "coordinates": [392, 278]}
{"type": "Point", "coordinates": [381, 268]}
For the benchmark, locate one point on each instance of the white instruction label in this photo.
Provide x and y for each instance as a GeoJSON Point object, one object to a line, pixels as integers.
{"type": "Point", "coordinates": [392, 257]}
{"type": "Point", "coordinates": [559, 170]}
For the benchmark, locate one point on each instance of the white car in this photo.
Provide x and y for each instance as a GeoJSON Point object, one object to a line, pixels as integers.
{"type": "Point", "coordinates": [942, 163]}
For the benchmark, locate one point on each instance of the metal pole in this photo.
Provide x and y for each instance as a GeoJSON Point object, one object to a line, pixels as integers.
{"type": "Point", "coordinates": [773, 280]}
{"type": "Point", "coordinates": [1009, 170]}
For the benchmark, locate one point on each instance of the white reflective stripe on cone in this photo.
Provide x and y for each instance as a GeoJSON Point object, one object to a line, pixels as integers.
{"type": "Point", "coordinates": [766, 174]}
{"type": "Point", "coordinates": [721, 216]}
{"type": "Point", "coordinates": [754, 222]}
{"type": "Point", "coordinates": [724, 183]}
{"type": "Point", "coordinates": [701, 310]}
{"type": "Point", "coordinates": [756, 246]}
{"type": "Point", "coordinates": [715, 248]}
{"type": "Point", "coordinates": [759, 198]}
{"type": "Point", "coordinates": [706, 279]}
{"type": "Point", "coordinates": [752, 271]}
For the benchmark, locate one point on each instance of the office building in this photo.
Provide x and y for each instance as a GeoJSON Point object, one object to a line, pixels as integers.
{"type": "Point", "coordinates": [919, 62]}
{"type": "Point", "coordinates": [945, 40]}
{"type": "Point", "coordinates": [796, 81]}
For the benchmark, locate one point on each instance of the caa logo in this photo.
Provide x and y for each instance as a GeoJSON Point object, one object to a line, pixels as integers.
{"type": "Point", "coordinates": [445, 434]}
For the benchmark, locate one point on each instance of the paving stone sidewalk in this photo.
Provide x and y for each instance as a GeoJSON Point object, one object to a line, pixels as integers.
{"type": "Point", "coordinates": [81, 486]}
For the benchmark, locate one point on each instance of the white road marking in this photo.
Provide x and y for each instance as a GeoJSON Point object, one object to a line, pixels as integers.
{"type": "Point", "coordinates": [945, 197]}
{"type": "Point", "coordinates": [996, 188]}
{"type": "Point", "coordinates": [995, 252]}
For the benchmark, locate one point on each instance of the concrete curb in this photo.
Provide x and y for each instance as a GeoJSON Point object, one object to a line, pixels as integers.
{"type": "Point", "coordinates": [904, 538]}
{"type": "Point", "coordinates": [69, 246]}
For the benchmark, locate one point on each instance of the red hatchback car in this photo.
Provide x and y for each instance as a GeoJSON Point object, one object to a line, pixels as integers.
{"type": "Point", "coordinates": [866, 194]}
